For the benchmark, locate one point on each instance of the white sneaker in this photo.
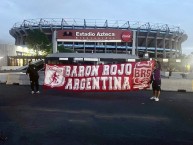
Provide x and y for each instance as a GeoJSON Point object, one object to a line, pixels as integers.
{"type": "Point", "coordinates": [32, 92]}
{"type": "Point", "coordinates": [37, 92]}
{"type": "Point", "coordinates": [152, 98]}
{"type": "Point", "coordinates": [156, 99]}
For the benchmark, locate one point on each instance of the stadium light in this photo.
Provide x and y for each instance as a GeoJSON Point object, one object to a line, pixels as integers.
{"type": "Point", "coordinates": [165, 60]}
{"type": "Point", "coordinates": [78, 59]}
{"type": "Point", "coordinates": [63, 58]}
{"type": "Point", "coordinates": [178, 60]}
{"type": "Point", "coordinates": [130, 60]}
{"type": "Point", "coordinates": [91, 59]}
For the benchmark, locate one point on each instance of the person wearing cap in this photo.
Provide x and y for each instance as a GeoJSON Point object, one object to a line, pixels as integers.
{"type": "Point", "coordinates": [34, 77]}
{"type": "Point", "coordinates": [156, 81]}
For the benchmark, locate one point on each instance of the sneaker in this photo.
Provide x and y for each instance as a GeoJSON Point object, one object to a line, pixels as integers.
{"type": "Point", "coordinates": [152, 98]}
{"type": "Point", "coordinates": [32, 92]}
{"type": "Point", "coordinates": [156, 99]}
{"type": "Point", "coordinates": [37, 92]}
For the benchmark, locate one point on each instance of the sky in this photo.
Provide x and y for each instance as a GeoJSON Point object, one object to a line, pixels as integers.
{"type": "Point", "coordinates": [171, 12]}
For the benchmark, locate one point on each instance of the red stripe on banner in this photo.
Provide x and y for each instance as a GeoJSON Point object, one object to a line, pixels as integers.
{"type": "Point", "coordinates": [108, 77]}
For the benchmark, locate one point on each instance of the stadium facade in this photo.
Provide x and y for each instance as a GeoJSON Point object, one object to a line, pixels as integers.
{"type": "Point", "coordinates": [106, 36]}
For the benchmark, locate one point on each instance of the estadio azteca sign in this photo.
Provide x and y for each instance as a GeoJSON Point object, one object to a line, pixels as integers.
{"type": "Point", "coordinates": [112, 77]}
{"type": "Point", "coordinates": [94, 35]}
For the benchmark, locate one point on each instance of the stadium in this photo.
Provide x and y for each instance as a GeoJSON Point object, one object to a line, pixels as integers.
{"type": "Point", "coordinates": [106, 37]}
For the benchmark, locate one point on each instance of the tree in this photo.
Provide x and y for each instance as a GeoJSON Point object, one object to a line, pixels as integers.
{"type": "Point", "coordinates": [38, 41]}
{"type": "Point", "coordinates": [61, 48]}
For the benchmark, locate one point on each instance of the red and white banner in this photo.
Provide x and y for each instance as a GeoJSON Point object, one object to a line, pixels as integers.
{"type": "Point", "coordinates": [111, 77]}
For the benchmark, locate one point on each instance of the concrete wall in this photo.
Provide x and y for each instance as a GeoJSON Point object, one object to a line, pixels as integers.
{"type": "Point", "coordinates": [178, 75]}
{"type": "Point", "coordinates": [3, 68]}
{"type": "Point", "coordinates": [173, 84]}
{"type": "Point", "coordinates": [177, 85]}
{"type": "Point", "coordinates": [167, 84]}
{"type": "Point", "coordinates": [19, 78]}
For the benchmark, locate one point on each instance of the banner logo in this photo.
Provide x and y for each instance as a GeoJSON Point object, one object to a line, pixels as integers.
{"type": "Point", "coordinates": [126, 36]}
{"type": "Point", "coordinates": [54, 75]}
{"type": "Point", "coordinates": [142, 74]}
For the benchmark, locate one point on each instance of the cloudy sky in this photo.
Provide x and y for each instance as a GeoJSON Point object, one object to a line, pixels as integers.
{"type": "Point", "coordinates": [171, 12]}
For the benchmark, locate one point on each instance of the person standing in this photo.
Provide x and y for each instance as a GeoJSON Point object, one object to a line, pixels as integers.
{"type": "Point", "coordinates": [156, 81]}
{"type": "Point", "coordinates": [170, 71]}
{"type": "Point", "coordinates": [34, 77]}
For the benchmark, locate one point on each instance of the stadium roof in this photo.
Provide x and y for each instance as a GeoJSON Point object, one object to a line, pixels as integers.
{"type": "Point", "coordinates": [125, 24]}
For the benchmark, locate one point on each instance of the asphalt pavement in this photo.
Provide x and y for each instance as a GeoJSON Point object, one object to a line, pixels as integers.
{"type": "Point", "coordinates": [94, 118]}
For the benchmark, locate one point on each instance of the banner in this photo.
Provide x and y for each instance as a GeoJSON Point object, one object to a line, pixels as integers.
{"type": "Point", "coordinates": [108, 77]}
{"type": "Point", "coordinates": [94, 35]}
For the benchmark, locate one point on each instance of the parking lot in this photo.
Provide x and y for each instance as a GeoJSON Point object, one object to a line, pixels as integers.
{"type": "Point", "coordinates": [115, 118]}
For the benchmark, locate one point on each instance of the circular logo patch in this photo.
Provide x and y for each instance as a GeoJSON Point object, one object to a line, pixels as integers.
{"type": "Point", "coordinates": [126, 36]}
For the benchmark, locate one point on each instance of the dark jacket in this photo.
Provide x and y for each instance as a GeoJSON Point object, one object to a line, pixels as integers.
{"type": "Point", "coordinates": [32, 71]}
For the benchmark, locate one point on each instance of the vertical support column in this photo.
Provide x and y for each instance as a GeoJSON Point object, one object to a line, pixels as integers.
{"type": "Point", "coordinates": [95, 47]}
{"type": "Point", "coordinates": [170, 46]}
{"type": "Point", "coordinates": [179, 47]}
{"type": "Point", "coordinates": [8, 61]}
{"type": "Point", "coordinates": [146, 41]}
{"type": "Point", "coordinates": [84, 47]}
{"type": "Point", "coordinates": [73, 46]}
{"type": "Point", "coordinates": [105, 47]}
{"type": "Point", "coordinates": [54, 42]}
{"type": "Point", "coordinates": [116, 47]}
{"type": "Point", "coordinates": [20, 36]}
{"type": "Point", "coordinates": [164, 47]}
{"type": "Point", "coordinates": [126, 48]}
{"type": "Point", "coordinates": [156, 47]}
{"type": "Point", "coordinates": [137, 41]}
{"type": "Point", "coordinates": [175, 46]}
{"type": "Point", "coordinates": [134, 42]}
{"type": "Point", "coordinates": [21, 40]}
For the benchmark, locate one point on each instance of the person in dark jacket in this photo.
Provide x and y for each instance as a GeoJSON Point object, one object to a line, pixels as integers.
{"type": "Point", "coordinates": [34, 77]}
{"type": "Point", "coordinates": [156, 81]}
